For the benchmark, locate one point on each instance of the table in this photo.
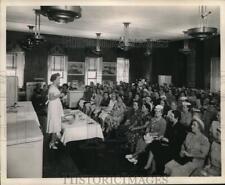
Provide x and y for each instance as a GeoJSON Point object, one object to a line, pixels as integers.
{"type": "Point", "coordinates": [80, 129]}
{"type": "Point", "coordinates": [25, 111]}
{"type": "Point", "coordinates": [24, 143]}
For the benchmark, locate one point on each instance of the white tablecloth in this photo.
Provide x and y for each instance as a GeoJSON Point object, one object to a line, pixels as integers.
{"type": "Point", "coordinates": [80, 129]}
{"type": "Point", "coordinates": [25, 111]}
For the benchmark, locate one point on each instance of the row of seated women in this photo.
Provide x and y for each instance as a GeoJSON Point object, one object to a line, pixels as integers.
{"type": "Point", "coordinates": [166, 147]}
{"type": "Point", "coordinates": [164, 137]}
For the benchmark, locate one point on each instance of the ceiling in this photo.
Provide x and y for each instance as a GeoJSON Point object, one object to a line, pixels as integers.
{"type": "Point", "coordinates": [153, 22]}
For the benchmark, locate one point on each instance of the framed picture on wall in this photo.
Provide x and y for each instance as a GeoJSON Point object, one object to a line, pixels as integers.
{"type": "Point", "coordinates": [75, 68]}
{"type": "Point", "coordinates": [109, 68]}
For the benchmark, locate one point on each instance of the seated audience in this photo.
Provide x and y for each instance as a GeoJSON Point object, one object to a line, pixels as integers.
{"type": "Point", "coordinates": [64, 91]}
{"type": "Point", "coordinates": [154, 131]}
{"type": "Point", "coordinates": [193, 152]}
{"type": "Point", "coordinates": [108, 108]}
{"type": "Point", "coordinates": [137, 130]}
{"type": "Point", "coordinates": [160, 125]}
{"type": "Point", "coordinates": [170, 144]}
{"type": "Point", "coordinates": [213, 165]}
{"type": "Point", "coordinates": [116, 116]}
{"type": "Point", "coordinates": [186, 115]}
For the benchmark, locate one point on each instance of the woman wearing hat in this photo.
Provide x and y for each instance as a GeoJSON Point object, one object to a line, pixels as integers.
{"type": "Point", "coordinates": [137, 131]}
{"type": "Point", "coordinates": [193, 152]}
{"type": "Point", "coordinates": [213, 165]}
{"type": "Point", "coordinates": [186, 115]}
{"type": "Point", "coordinates": [155, 130]}
{"type": "Point", "coordinates": [55, 110]}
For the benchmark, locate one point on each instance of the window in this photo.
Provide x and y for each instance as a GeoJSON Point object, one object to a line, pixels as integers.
{"type": "Point", "coordinates": [93, 70]}
{"type": "Point", "coordinates": [92, 77]}
{"type": "Point", "coordinates": [122, 70]}
{"type": "Point", "coordinates": [57, 64]}
{"type": "Point", "coordinates": [15, 63]}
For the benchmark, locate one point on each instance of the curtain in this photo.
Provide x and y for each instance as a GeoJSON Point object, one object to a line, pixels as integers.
{"type": "Point", "coordinates": [215, 75]}
{"type": "Point", "coordinates": [123, 66]}
{"type": "Point", "coordinates": [93, 64]}
{"type": "Point", "coordinates": [58, 64]}
{"type": "Point", "coordinates": [15, 66]}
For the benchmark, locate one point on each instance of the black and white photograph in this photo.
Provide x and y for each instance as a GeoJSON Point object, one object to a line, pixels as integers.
{"type": "Point", "coordinates": [134, 93]}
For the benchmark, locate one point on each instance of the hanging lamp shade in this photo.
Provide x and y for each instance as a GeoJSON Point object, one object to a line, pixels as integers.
{"type": "Point", "coordinates": [61, 14]}
{"type": "Point", "coordinates": [29, 42]}
{"type": "Point", "coordinates": [149, 46]}
{"type": "Point", "coordinates": [186, 50]}
{"type": "Point", "coordinates": [203, 31]}
{"type": "Point", "coordinates": [124, 43]}
{"type": "Point", "coordinates": [38, 38]}
{"type": "Point", "coordinates": [97, 51]}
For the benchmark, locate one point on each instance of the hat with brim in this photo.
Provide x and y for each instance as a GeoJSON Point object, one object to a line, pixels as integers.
{"type": "Point", "coordinates": [158, 107]}
{"type": "Point", "coordinates": [163, 97]}
{"type": "Point", "coordinates": [183, 98]}
{"type": "Point", "coordinates": [185, 103]}
{"type": "Point", "coordinates": [199, 121]}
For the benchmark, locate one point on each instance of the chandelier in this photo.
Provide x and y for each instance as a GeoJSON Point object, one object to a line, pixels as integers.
{"type": "Point", "coordinates": [34, 38]}
{"type": "Point", "coordinates": [28, 42]}
{"type": "Point", "coordinates": [38, 38]}
{"type": "Point", "coordinates": [186, 50]}
{"type": "Point", "coordinates": [203, 31]}
{"type": "Point", "coordinates": [61, 14]}
{"type": "Point", "coordinates": [124, 43]}
{"type": "Point", "coordinates": [97, 50]}
{"type": "Point", "coordinates": [149, 46]}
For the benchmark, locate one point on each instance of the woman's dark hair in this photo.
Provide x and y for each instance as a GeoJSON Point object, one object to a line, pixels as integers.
{"type": "Point", "coordinates": [177, 114]}
{"type": "Point", "coordinates": [147, 106]}
{"type": "Point", "coordinates": [121, 96]}
{"type": "Point", "coordinates": [65, 85]}
{"type": "Point", "coordinates": [54, 77]}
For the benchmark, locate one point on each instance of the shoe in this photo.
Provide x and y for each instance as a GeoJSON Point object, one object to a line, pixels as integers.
{"type": "Point", "coordinates": [129, 156]}
{"type": "Point", "coordinates": [132, 160]}
{"type": "Point", "coordinates": [135, 162]}
{"type": "Point", "coordinates": [56, 142]}
{"type": "Point", "coordinates": [52, 146]}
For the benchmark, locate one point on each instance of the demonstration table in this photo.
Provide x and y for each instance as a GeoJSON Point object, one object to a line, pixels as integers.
{"type": "Point", "coordinates": [80, 128]}
{"type": "Point", "coordinates": [24, 143]}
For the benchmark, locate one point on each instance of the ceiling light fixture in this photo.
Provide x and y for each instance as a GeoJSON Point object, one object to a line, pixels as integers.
{"type": "Point", "coordinates": [28, 42]}
{"type": "Point", "coordinates": [124, 42]}
{"type": "Point", "coordinates": [186, 50]}
{"type": "Point", "coordinates": [37, 34]}
{"type": "Point", "coordinates": [97, 50]}
{"type": "Point", "coordinates": [61, 14]}
{"type": "Point", "coordinates": [203, 31]}
{"type": "Point", "coordinates": [149, 46]}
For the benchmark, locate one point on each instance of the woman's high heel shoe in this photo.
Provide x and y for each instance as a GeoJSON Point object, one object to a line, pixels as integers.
{"type": "Point", "coordinates": [52, 146]}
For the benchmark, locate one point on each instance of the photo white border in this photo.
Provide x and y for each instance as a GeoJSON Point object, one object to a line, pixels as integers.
{"type": "Point", "coordinates": [171, 180]}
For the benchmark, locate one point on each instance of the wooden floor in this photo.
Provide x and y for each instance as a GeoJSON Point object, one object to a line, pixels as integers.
{"type": "Point", "coordinates": [85, 158]}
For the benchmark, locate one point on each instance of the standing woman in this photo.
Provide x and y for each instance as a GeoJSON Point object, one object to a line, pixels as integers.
{"type": "Point", "coordinates": [55, 110]}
